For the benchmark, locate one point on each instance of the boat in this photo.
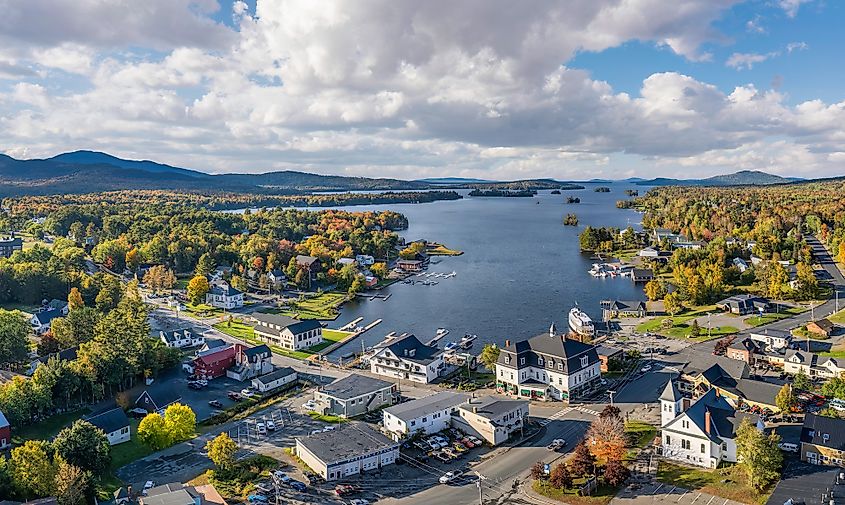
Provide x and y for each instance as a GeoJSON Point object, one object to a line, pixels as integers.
{"type": "Point", "coordinates": [451, 346]}
{"type": "Point", "coordinates": [580, 322]}
{"type": "Point", "coordinates": [441, 332]}
{"type": "Point", "coordinates": [467, 340]}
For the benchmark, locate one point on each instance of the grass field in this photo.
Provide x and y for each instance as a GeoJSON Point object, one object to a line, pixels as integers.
{"type": "Point", "coordinates": [838, 318]}
{"type": "Point", "coordinates": [322, 306]}
{"type": "Point", "coordinates": [46, 429]}
{"type": "Point", "coordinates": [729, 482]}
{"type": "Point", "coordinates": [754, 321]}
{"type": "Point", "coordinates": [682, 324]}
{"type": "Point", "coordinates": [602, 495]}
{"type": "Point", "coordinates": [435, 249]}
{"type": "Point", "coordinates": [243, 331]}
{"type": "Point", "coordinates": [640, 433]}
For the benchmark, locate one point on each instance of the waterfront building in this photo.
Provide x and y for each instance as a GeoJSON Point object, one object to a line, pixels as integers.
{"type": "Point", "coordinates": [408, 358]}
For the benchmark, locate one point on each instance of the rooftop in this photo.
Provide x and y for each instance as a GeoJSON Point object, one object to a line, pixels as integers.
{"type": "Point", "coordinates": [275, 375]}
{"type": "Point", "coordinates": [348, 441]}
{"type": "Point", "coordinates": [413, 409]}
{"type": "Point", "coordinates": [110, 420]}
{"type": "Point", "coordinates": [422, 353]}
{"type": "Point", "coordinates": [490, 407]}
{"type": "Point", "coordinates": [353, 386]}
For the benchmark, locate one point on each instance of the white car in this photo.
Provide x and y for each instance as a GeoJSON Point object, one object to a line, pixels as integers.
{"type": "Point", "coordinates": [328, 428]}
{"type": "Point", "coordinates": [359, 501]}
{"type": "Point", "coordinates": [450, 476]}
{"type": "Point", "coordinates": [271, 425]}
{"type": "Point", "coordinates": [309, 405]}
{"type": "Point", "coordinates": [314, 432]}
{"type": "Point", "coordinates": [147, 486]}
{"type": "Point", "coordinates": [247, 393]}
{"type": "Point", "coordinates": [645, 369]}
{"type": "Point", "coordinates": [261, 427]}
{"type": "Point", "coordinates": [788, 447]}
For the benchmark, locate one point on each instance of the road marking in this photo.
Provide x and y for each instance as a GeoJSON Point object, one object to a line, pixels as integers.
{"type": "Point", "coordinates": [697, 497]}
{"type": "Point", "coordinates": [657, 488]}
{"type": "Point", "coordinates": [711, 499]}
{"type": "Point", "coordinates": [555, 416]}
{"type": "Point", "coordinates": [682, 496]}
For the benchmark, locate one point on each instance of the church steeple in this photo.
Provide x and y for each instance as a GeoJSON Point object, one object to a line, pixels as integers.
{"type": "Point", "coordinates": [671, 403]}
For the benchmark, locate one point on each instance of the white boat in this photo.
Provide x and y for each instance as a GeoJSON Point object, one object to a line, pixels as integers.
{"type": "Point", "coordinates": [467, 340]}
{"type": "Point", "coordinates": [451, 346]}
{"type": "Point", "coordinates": [441, 332]}
{"type": "Point", "coordinates": [580, 322]}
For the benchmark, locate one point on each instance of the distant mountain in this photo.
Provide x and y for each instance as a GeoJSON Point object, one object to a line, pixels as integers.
{"type": "Point", "coordinates": [454, 180]}
{"type": "Point", "coordinates": [741, 178]}
{"type": "Point", "coordinates": [98, 158]}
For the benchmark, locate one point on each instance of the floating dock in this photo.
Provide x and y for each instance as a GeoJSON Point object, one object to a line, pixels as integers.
{"type": "Point", "coordinates": [345, 340]}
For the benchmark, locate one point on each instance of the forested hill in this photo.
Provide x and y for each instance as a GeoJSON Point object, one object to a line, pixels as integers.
{"type": "Point", "coordinates": [741, 178]}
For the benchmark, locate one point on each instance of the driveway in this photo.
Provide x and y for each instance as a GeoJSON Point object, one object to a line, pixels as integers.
{"type": "Point", "coordinates": [806, 483]}
{"type": "Point", "coordinates": [651, 493]}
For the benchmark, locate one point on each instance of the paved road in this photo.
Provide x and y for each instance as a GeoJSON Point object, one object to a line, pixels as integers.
{"type": "Point", "coordinates": [501, 470]}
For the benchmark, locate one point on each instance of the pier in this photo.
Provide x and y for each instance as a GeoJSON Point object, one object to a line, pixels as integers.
{"type": "Point", "coordinates": [345, 340]}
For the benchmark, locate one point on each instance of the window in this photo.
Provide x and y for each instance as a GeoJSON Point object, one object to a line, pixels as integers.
{"type": "Point", "coordinates": [584, 360]}
{"type": "Point", "coordinates": [521, 361]}
{"type": "Point", "coordinates": [425, 419]}
{"type": "Point", "coordinates": [702, 448]}
{"type": "Point", "coordinates": [507, 359]}
{"type": "Point", "coordinates": [560, 366]}
{"type": "Point", "coordinates": [668, 440]}
{"type": "Point", "coordinates": [540, 361]}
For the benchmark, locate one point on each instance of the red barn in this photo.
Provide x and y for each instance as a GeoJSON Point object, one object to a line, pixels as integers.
{"type": "Point", "coordinates": [5, 432]}
{"type": "Point", "coordinates": [214, 362]}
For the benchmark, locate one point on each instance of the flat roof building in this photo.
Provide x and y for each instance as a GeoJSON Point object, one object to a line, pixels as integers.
{"type": "Point", "coordinates": [350, 449]}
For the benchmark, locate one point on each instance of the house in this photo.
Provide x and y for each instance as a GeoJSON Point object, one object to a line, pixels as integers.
{"type": "Point", "coordinates": [771, 338]}
{"type": "Point", "coordinates": [214, 363]}
{"type": "Point", "coordinates": [607, 354]}
{"type": "Point", "coordinates": [661, 234]}
{"type": "Point", "coordinates": [251, 362]}
{"type": "Point", "coordinates": [224, 296]}
{"type": "Point", "coordinates": [274, 380]}
{"type": "Point", "coordinates": [187, 337]}
{"type": "Point", "coordinates": [212, 343]}
{"type": "Point", "coordinates": [688, 244]}
{"type": "Point", "coordinates": [748, 350]}
{"type": "Point", "coordinates": [492, 419]}
{"type": "Point", "coordinates": [642, 274]}
{"type": "Point", "coordinates": [702, 433]}
{"type": "Point", "coordinates": [343, 262]}
{"type": "Point", "coordinates": [277, 279]}
{"type": "Point", "coordinates": [412, 265]}
{"type": "Point", "coordinates": [691, 371]}
{"type": "Point", "coordinates": [180, 494]}
{"type": "Point", "coordinates": [408, 358]}
{"type": "Point", "coordinates": [547, 367]}
{"type": "Point", "coordinates": [370, 281]}
{"type": "Point", "coordinates": [822, 327]}
{"type": "Point", "coordinates": [737, 390]}
{"type": "Point", "coordinates": [823, 440]}
{"type": "Point", "coordinates": [364, 259]}
{"type": "Point", "coordinates": [310, 264]}
{"type": "Point", "coordinates": [744, 304]}
{"type": "Point", "coordinates": [426, 415]}
{"type": "Point", "coordinates": [648, 252]}
{"type": "Point", "coordinates": [354, 395]}
{"type": "Point", "coordinates": [619, 308]}
{"type": "Point", "coordinates": [350, 449]}
{"type": "Point", "coordinates": [740, 264]}
{"type": "Point", "coordinates": [114, 424]}
{"type": "Point", "coordinates": [55, 303]}
{"type": "Point", "coordinates": [5, 432]}
{"type": "Point", "coordinates": [40, 321]}
{"type": "Point", "coordinates": [812, 365]}
{"type": "Point", "coordinates": [157, 401]}
{"type": "Point", "coordinates": [9, 245]}
{"type": "Point", "coordinates": [68, 354]}
{"type": "Point", "coordinates": [287, 332]}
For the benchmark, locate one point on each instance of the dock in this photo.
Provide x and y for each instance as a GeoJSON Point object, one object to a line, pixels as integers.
{"type": "Point", "coordinates": [437, 336]}
{"type": "Point", "coordinates": [352, 336]}
{"type": "Point", "coordinates": [351, 325]}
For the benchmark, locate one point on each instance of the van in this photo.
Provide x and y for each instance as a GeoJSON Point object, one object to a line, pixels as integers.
{"type": "Point", "coordinates": [788, 447]}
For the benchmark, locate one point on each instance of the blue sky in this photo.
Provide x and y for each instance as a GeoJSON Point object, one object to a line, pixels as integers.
{"type": "Point", "coordinates": [400, 88]}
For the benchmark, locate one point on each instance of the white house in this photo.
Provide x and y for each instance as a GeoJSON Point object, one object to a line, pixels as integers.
{"type": "Point", "coordinates": [492, 419]}
{"type": "Point", "coordinates": [350, 449]}
{"type": "Point", "coordinates": [409, 359]}
{"type": "Point", "coordinates": [354, 395]}
{"type": "Point", "coordinates": [429, 414]}
{"type": "Point", "coordinates": [702, 433]}
{"type": "Point", "coordinates": [364, 259]}
{"type": "Point", "coordinates": [276, 379]}
{"type": "Point", "coordinates": [547, 367]}
{"type": "Point", "coordinates": [40, 321]}
{"type": "Point", "coordinates": [287, 332]}
{"type": "Point", "coordinates": [740, 264]}
{"type": "Point", "coordinates": [188, 337]}
{"type": "Point", "coordinates": [224, 296]}
{"type": "Point", "coordinates": [771, 338]}
{"type": "Point", "coordinates": [114, 423]}
{"type": "Point", "coordinates": [812, 365]}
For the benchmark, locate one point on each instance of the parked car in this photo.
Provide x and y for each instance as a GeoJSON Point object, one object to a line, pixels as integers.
{"type": "Point", "coordinates": [459, 447]}
{"type": "Point", "coordinates": [233, 395]}
{"type": "Point", "coordinates": [309, 405]}
{"type": "Point", "coordinates": [345, 489]}
{"type": "Point", "coordinates": [147, 486]}
{"type": "Point", "coordinates": [467, 442]}
{"type": "Point", "coordinates": [314, 432]}
{"type": "Point", "coordinates": [247, 393]}
{"type": "Point", "coordinates": [359, 501]}
{"type": "Point", "coordinates": [475, 441]}
{"type": "Point", "coordinates": [556, 444]}
{"type": "Point", "coordinates": [281, 476]}
{"type": "Point", "coordinates": [194, 385]}
{"type": "Point", "coordinates": [261, 427]}
{"type": "Point", "coordinates": [216, 404]}
{"type": "Point", "coordinates": [445, 458]}
{"type": "Point", "coordinates": [271, 426]}
{"type": "Point", "coordinates": [257, 498]}
{"type": "Point", "coordinates": [328, 428]}
{"type": "Point", "coordinates": [297, 486]}
{"type": "Point", "coordinates": [450, 476]}
{"type": "Point", "coordinates": [788, 447]}
{"type": "Point", "coordinates": [138, 413]}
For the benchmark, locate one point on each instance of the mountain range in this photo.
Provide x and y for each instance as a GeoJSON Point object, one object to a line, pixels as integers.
{"type": "Point", "coordinates": [91, 171]}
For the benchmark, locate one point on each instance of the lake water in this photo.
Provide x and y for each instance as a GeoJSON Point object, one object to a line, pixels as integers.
{"type": "Point", "coordinates": [521, 269]}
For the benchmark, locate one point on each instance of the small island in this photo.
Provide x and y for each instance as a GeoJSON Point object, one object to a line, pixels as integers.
{"type": "Point", "coordinates": [573, 199]}
{"type": "Point", "coordinates": [555, 191]}
{"type": "Point", "coordinates": [602, 189]}
{"type": "Point", "coordinates": [632, 192]}
{"type": "Point", "coordinates": [570, 220]}
{"type": "Point", "coordinates": [503, 193]}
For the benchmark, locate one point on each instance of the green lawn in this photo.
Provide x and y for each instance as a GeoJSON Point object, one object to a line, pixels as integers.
{"type": "Point", "coordinates": [322, 306]}
{"type": "Point", "coordinates": [729, 482]}
{"type": "Point", "coordinates": [182, 283]}
{"type": "Point", "coordinates": [23, 307]}
{"type": "Point", "coordinates": [601, 496]}
{"type": "Point", "coordinates": [127, 452]}
{"type": "Point", "coordinates": [754, 321]}
{"type": "Point", "coordinates": [640, 433]}
{"type": "Point", "coordinates": [681, 327]}
{"type": "Point", "coordinates": [46, 429]}
{"type": "Point", "coordinates": [838, 318]}
{"type": "Point", "coordinates": [203, 310]}
{"type": "Point", "coordinates": [243, 331]}
{"type": "Point", "coordinates": [326, 418]}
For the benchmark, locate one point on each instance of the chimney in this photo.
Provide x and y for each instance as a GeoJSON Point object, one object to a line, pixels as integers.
{"type": "Point", "coordinates": [475, 410]}
{"type": "Point", "coordinates": [507, 343]}
{"type": "Point", "coordinates": [707, 421]}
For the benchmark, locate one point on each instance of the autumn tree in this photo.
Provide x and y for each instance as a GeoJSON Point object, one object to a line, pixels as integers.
{"type": "Point", "coordinates": [785, 399]}
{"type": "Point", "coordinates": [583, 462]}
{"type": "Point", "coordinates": [32, 468]}
{"type": "Point", "coordinates": [160, 278]}
{"type": "Point", "coordinates": [655, 289]}
{"type": "Point", "coordinates": [222, 450]}
{"type": "Point", "coordinates": [808, 283]}
{"type": "Point", "coordinates": [611, 411]}
{"type": "Point", "coordinates": [489, 356]}
{"type": "Point", "coordinates": [606, 438]}
{"type": "Point", "coordinates": [197, 289]}
{"type": "Point", "coordinates": [672, 304]}
{"type": "Point", "coordinates": [380, 270]}
{"type": "Point", "coordinates": [73, 485]}
{"type": "Point", "coordinates": [180, 422]}
{"type": "Point", "coordinates": [758, 455]}
{"type": "Point", "coordinates": [616, 473]}
{"type": "Point", "coordinates": [74, 299]}
{"type": "Point", "coordinates": [776, 280]}
{"type": "Point", "coordinates": [538, 470]}
{"type": "Point", "coordinates": [152, 432]}
{"type": "Point", "coordinates": [560, 476]}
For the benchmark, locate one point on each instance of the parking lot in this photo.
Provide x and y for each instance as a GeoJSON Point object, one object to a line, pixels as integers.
{"type": "Point", "coordinates": [658, 492]}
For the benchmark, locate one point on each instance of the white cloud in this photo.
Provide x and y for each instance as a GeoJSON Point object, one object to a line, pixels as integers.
{"type": "Point", "coordinates": [796, 46]}
{"type": "Point", "coordinates": [755, 25]}
{"type": "Point", "coordinates": [790, 7]}
{"type": "Point", "coordinates": [409, 89]}
{"type": "Point", "coordinates": [747, 61]}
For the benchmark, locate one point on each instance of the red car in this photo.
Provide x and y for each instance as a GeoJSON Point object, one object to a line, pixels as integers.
{"type": "Point", "coordinates": [234, 396]}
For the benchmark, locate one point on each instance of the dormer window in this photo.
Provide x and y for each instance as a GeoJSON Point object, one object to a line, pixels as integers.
{"type": "Point", "coordinates": [507, 359]}
{"type": "Point", "coordinates": [560, 366]}
{"type": "Point", "coordinates": [551, 363]}
{"type": "Point", "coordinates": [521, 361]}
{"type": "Point", "coordinates": [540, 361]}
{"type": "Point", "coordinates": [584, 361]}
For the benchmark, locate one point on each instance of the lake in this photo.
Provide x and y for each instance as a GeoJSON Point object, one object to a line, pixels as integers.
{"type": "Point", "coordinates": [521, 269]}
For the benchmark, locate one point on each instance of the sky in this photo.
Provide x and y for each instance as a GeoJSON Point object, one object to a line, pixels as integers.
{"type": "Point", "coordinates": [492, 89]}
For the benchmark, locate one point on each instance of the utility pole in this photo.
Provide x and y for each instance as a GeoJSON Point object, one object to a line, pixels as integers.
{"type": "Point", "coordinates": [478, 485]}
{"type": "Point", "coordinates": [611, 393]}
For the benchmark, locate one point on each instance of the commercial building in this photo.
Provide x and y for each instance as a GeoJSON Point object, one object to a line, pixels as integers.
{"type": "Point", "coordinates": [823, 440]}
{"type": "Point", "coordinates": [274, 380]}
{"type": "Point", "coordinates": [772, 339]}
{"type": "Point", "coordinates": [114, 424]}
{"type": "Point", "coordinates": [9, 245]}
{"type": "Point", "coordinates": [547, 367]}
{"type": "Point", "coordinates": [493, 419]}
{"type": "Point", "coordinates": [737, 390]}
{"type": "Point", "coordinates": [408, 358]}
{"type": "Point", "coordinates": [425, 415]}
{"type": "Point", "coordinates": [224, 296]}
{"type": "Point", "coordinates": [350, 449]}
{"type": "Point", "coordinates": [214, 363]}
{"type": "Point", "coordinates": [354, 395]}
{"type": "Point", "coordinates": [287, 332]}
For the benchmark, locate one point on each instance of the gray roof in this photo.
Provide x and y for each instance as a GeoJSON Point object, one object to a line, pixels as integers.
{"type": "Point", "coordinates": [606, 350]}
{"type": "Point", "coordinates": [627, 305]}
{"type": "Point", "coordinates": [45, 316]}
{"type": "Point", "coordinates": [275, 375]}
{"type": "Point", "coordinates": [213, 343]}
{"type": "Point", "coordinates": [724, 419]}
{"type": "Point", "coordinates": [553, 348]}
{"type": "Point", "coordinates": [276, 319]}
{"type": "Point", "coordinates": [306, 260]}
{"type": "Point", "coordinates": [423, 354]}
{"type": "Point", "coordinates": [294, 325]}
{"type": "Point", "coordinates": [353, 386]}
{"type": "Point", "coordinates": [224, 289]}
{"type": "Point", "coordinates": [490, 407]}
{"type": "Point", "coordinates": [734, 367]}
{"type": "Point", "coordinates": [186, 333]}
{"type": "Point", "coordinates": [110, 420]}
{"type": "Point", "coordinates": [414, 409]}
{"type": "Point", "coordinates": [251, 352]}
{"type": "Point", "coordinates": [349, 440]}
{"type": "Point", "coordinates": [670, 392]}
{"type": "Point", "coordinates": [771, 332]}
{"type": "Point", "coordinates": [184, 496]}
{"type": "Point", "coordinates": [816, 427]}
